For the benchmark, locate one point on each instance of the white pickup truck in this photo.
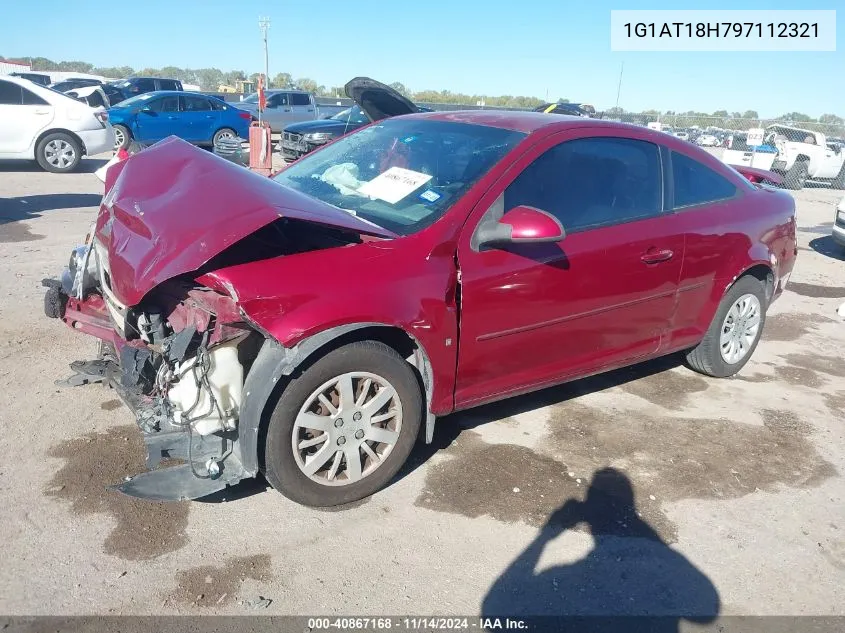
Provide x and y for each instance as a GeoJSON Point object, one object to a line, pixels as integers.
{"type": "Point", "coordinates": [806, 155]}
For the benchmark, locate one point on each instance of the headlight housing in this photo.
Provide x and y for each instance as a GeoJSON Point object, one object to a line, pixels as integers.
{"type": "Point", "coordinates": [318, 137]}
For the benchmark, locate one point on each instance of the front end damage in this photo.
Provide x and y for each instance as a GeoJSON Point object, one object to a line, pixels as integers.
{"type": "Point", "coordinates": [177, 361]}
{"type": "Point", "coordinates": [179, 351]}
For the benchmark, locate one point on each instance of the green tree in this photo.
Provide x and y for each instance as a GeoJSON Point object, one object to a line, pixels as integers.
{"type": "Point", "coordinates": [750, 114]}
{"type": "Point", "coordinates": [209, 78]}
{"type": "Point", "coordinates": [798, 117]}
{"type": "Point", "coordinates": [399, 87]}
{"type": "Point", "coordinates": [720, 113]}
{"type": "Point", "coordinates": [309, 85]}
{"type": "Point", "coordinates": [281, 80]}
{"type": "Point", "coordinates": [831, 119]}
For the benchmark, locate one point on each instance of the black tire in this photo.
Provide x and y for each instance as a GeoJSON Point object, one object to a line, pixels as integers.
{"type": "Point", "coordinates": [839, 181]}
{"type": "Point", "coordinates": [223, 131]}
{"type": "Point", "coordinates": [280, 467]}
{"type": "Point", "coordinates": [796, 177]}
{"type": "Point", "coordinates": [706, 357]}
{"type": "Point", "coordinates": [121, 131]}
{"type": "Point", "coordinates": [47, 144]}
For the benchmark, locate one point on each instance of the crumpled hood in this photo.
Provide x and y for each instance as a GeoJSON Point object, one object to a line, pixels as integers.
{"type": "Point", "coordinates": [173, 206]}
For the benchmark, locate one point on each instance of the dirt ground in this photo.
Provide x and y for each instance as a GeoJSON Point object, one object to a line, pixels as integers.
{"type": "Point", "coordinates": [522, 506]}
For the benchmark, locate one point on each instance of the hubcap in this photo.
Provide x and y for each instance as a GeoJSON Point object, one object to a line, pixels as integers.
{"type": "Point", "coordinates": [347, 428]}
{"type": "Point", "coordinates": [740, 329]}
{"type": "Point", "coordinates": [59, 153]}
{"type": "Point", "coordinates": [224, 135]}
{"type": "Point", "coordinates": [118, 138]}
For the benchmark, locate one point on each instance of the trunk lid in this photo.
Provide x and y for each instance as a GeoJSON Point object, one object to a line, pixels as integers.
{"type": "Point", "coordinates": [173, 206]}
{"type": "Point", "coordinates": [377, 100]}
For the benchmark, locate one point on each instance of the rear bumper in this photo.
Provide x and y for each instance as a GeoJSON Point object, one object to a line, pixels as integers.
{"type": "Point", "coordinates": [98, 141]}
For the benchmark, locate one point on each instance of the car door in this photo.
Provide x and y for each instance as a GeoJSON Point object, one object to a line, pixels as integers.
{"type": "Point", "coordinates": [159, 118]}
{"type": "Point", "coordinates": [302, 106]}
{"type": "Point", "coordinates": [23, 114]}
{"type": "Point", "coordinates": [199, 119]}
{"type": "Point", "coordinates": [277, 111]}
{"type": "Point", "coordinates": [536, 314]}
{"type": "Point", "coordinates": [711, 209]}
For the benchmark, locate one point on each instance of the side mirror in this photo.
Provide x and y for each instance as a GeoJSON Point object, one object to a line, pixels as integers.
{"type": "Point", "coordinates": [147, 110]}
{"type": "Point", "coordinates": [522, 225]}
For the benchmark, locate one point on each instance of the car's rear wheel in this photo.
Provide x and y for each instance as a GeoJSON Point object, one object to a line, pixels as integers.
{"type": "Point", "coordinates": [58, 152]}
{"type": "Point", "coordinates": [223, 133]}
{"type": "Point", "coordinates": [342, 428]}
{"type": "Point", "coordinates": [796, 177]}
{"type": "Point", "coordinates": [735, 331]}
{"type": "Point", "coordinates": [122, 136]}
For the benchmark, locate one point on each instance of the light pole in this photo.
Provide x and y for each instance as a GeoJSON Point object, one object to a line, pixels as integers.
{"type": "Point", "coordinates": [264, 25]}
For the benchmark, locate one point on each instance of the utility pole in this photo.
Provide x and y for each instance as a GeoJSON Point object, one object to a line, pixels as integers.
{"type": "Point", "coordinates": [264, 25]}
{"type": "Point", "coordinates": [619, 87]}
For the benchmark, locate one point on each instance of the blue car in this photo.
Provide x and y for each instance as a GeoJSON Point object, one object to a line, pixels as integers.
{"type": "Point", "coordinates": [197, 118]}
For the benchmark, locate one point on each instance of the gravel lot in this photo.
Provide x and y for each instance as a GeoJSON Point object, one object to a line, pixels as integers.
{"type": "Point", "coordinates": [738, 483]}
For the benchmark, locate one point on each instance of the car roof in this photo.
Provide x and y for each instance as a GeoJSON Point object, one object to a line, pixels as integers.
{"type": "Point", "coordinates": [179, 93]}
{"type": "Point", "coordinates": [518, 120]}
{"type": "Point", "coordinates": [275, 90]}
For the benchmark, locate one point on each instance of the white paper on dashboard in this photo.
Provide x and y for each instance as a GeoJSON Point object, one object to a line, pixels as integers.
{"type": "Point", "coordinates": [394, 184]}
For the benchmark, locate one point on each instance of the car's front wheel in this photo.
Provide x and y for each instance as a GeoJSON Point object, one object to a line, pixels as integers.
{"type": "Point", "coordinates": [58, 152]}
{"type": "Point", "coordinates": [342, 428]}
{"type": "Point", "coordinates": [735, 331]}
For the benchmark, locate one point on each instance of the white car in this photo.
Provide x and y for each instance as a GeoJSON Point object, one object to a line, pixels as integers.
{"type": "Point", "coordinates": [50, 127]}
{"type": "Point", "coordinates": [839, 224]}
{"type": "Point", "coordinates": [707, 140]}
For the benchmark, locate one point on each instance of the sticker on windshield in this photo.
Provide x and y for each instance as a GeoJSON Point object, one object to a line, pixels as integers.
{"type": "Point", "coordinates": [430, 195]}
{"type": "Point", "coordinates": [394, 184]}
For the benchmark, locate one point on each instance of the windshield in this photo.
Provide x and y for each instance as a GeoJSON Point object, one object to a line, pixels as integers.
{"type": "Point", "coordinates": [351, 115]}
{"type": "Point", "coordinates": [253, 98]}
{"type": "Point", "coordinates": [400, 174]}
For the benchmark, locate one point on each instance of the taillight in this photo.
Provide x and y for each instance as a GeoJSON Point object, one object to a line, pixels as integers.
{"type": "Point", "coordinates": [245, 115]}
{"type": "Point", "coordinates": [102, 116]}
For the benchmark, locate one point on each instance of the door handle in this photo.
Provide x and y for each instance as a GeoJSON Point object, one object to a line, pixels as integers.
{"type": "Point", "coordinates": [287, 109]}
{"type": "Point", "coordinates": [42, 112]}
{"type": "Point", "coordinates": [655, 257]}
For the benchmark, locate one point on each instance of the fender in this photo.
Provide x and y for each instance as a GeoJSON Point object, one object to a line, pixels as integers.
{"type": "Point", "coordinates": [274, 362]}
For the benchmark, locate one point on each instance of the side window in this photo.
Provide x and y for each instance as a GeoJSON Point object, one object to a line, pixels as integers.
{"type": "Point", "coordinates": [30, 98]}
{"type": "Point", "coordinates": [695, 183]}
{"type": "Point", "coordinates": [278, 100]}
{"type": "Point", "coordinates": [196, 104]}
{"type": "Point", "coordinates": [216, 104]}
{"type": "Point", "coordinates": [168, 84]}
{"type": "Point", "coordinates": [145, 85]}
{"type": "Point", "coordinates": [164, 104]}
{"type": "Point", "coordinates": [300, 99]}
{"type": "Point", "coordinates": [10, 94]}
{"type": "Point", "coordinates": [592, 182]}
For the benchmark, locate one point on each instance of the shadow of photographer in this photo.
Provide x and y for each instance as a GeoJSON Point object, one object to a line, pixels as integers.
{"type": "Point", "coordinates": [629, 572]}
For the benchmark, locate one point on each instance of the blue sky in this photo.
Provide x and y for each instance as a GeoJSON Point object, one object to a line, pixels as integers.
{"type": "Point", "coordinates": [536, 47]}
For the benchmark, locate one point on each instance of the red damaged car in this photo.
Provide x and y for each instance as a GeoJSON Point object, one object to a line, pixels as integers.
{"type": "Point", "coordinates": [311, 326]}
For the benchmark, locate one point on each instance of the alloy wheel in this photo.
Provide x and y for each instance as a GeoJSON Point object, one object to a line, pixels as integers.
{"type": "Point", "coordinates": [347, 428]}
{"type": "Point", "coordinates": [740, 328]}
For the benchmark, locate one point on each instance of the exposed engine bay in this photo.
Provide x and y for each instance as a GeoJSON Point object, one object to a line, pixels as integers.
{"type": "Point", "coordinates": [178, 359]}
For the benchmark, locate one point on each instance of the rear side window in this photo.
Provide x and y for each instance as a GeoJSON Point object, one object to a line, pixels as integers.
{"type": "Point", "coordinates": [695, 183]}
{"type": "Point", "coordinates": [277, 100]}
{"type": "Point", "coordinates": [30, 98]}
{"type": "Point", "coordinates": [592, 182]}
{"type": "Point", "coordinates": [217, 105]}
{"type": "Point", "coordinates": [10, 94]}
{"type": "Point", "coordinates": [196, 104]}
{"type": "Point", "coordinates": [299, 99]}
{"type": "Point", "coordinates": [169, 84]}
